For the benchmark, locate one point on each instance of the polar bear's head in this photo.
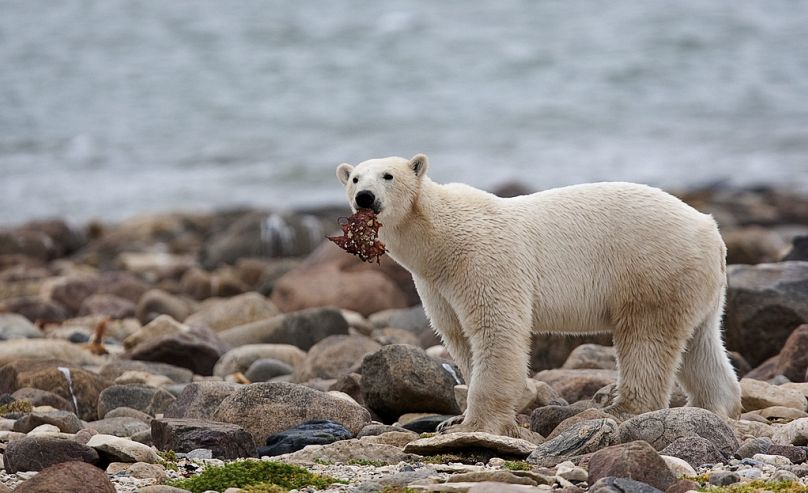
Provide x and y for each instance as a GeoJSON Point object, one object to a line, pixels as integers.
{"type": "Point", "coordinates": [389, 186]}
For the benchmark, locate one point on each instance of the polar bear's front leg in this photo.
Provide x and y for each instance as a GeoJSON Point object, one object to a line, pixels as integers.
{"type": "Point", "coordinates": [500, 343]}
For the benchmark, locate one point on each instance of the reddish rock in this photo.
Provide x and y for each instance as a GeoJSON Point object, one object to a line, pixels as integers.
{"type": "Point", "coordinates": [576, 385]}
{"type": "Point", "coordinates": [793, 359]}
{"type": "Point", "coordinates": [68, 476]}
{"type": "Point", "coordinates": [636, 460]}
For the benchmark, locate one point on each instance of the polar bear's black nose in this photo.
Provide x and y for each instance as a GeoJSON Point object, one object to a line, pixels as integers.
{"type": "Point", "coordinates": [365, 199]}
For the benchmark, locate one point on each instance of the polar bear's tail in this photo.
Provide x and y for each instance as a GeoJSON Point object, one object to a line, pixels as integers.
{"type": "Point", "coordinates": [706, 373]}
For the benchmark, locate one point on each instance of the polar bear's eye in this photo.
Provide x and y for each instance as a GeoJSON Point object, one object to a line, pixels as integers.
{"type": "Point", "coordinates": [355, 180]}
{"type": "Point", "coordinates": [388, 176]}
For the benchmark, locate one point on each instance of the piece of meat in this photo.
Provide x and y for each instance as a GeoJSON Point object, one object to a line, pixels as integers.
{"type": "Point", "coordinates": [360, 235]}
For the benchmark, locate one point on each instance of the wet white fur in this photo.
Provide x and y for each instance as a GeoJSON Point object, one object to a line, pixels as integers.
{"type": "Point", "coordinates": [618, 257]}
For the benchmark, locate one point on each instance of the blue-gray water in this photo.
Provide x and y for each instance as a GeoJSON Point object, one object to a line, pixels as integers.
{"type": "Point", "coordinates": [115, 107]}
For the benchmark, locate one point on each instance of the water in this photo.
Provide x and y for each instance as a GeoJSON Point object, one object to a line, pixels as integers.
{"type": "Point", "coordinates": [112, 107]}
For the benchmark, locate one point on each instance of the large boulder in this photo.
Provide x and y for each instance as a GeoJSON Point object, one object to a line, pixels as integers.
{"type": "Point", "coordinates": [222, 314]}
{"type": "Point", "coordinates": [303, 329]}
{"type": "Point", "coordinates": [765, 303]}
{"type": "Point", "coordinates": [661, 428]}
{"type": "Point", "coordinates": [335, 356]}
{"type": "Point", "coordinates": [200, 399]}
{"type": "Point", "coordinates": [224, 440]}
{"type": "Point", "coordinates": [399, 379]}
{"type": "Point", "coordinates": [265, 408]}
{"type": "Point", "coordinates": [329, 277]}
{"type": "Point", "coordinates": [36, 452]}
{"type": "Point", "coordinates": [68, 476]}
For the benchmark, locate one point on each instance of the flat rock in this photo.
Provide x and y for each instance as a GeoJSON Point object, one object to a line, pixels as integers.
{"type": "Point", "coordinates": [695, 450]}
{"type": "Point", "coordinates": [319, 432]}
{"type": "Point", "coordinates": [225, 441]}
{"type": "Point", "coordinates": [794, 433]}
{"type": "Point", "coordinates": [270, 407]}
{"type": "Point", "coordinates": [34, 453]}
{"type": "Point", "coordinates": [145, 398]}
{"type": "Point", "coordinates": [493, 476]}
{"type": "Point", "coordinates": [335, 356]}
{"type": "Point", "coordinates": [240, 358]}
{"type": "Point", "coordinates": [581, 438]}
{"type": "Point", "coordinates": [451, 442]}
{"type": "Point", "coordinates": [118, 367]}
{"type": "Point", "coordinates": [346, 451]}
{"type": "Point", "coordinates": [637, 460]}
{"type": "Point", "coordinates": [222, 314]}
{"type": "Point", "coordinates": [765, 303]}
{"type": "Point", "coordinates": [759, 395]}
{"type": "Point", "coordinates": [122, 449]}
{"type": "Point", "coordinates": [68, 476]}
{"type": "Point", "coordinates": [576, 385]}
{"type": "Point", "coordinates": [398, 379]}
{"type": "Point", "coordinates": [200, 400]}
{"type": "Point", "coordinates": [302, 329]}
{"type": "Point", "coordinates": [661, 428]}
{"type": "Point", "coordinates": [119, 427]}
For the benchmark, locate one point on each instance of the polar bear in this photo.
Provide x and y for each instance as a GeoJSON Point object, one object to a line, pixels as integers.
{"type": "Point", "coordinates": [604, 257]}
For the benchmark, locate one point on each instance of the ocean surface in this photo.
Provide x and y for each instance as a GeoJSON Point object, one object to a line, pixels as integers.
{"type": "Point", "coordinates": [110, 108]}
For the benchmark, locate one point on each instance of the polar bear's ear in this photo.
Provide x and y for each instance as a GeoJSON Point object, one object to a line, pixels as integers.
{"type": "Point", "coordinates": [343, 172]}
{"type": "Point", "coordinates": [418, 164]}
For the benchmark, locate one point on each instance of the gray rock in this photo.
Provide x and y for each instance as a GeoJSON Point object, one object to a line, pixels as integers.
{"type": "Point", "coordinates": [593, 357]}
{"type": "Point", "coordinates": [118, 426]}
{"type": "Point", "coordinates": [544, 420]}
{"type": "Point", "coordinates": [265, 369]}
{"type": "Point", "coordinates": [197, 350]}
{"type": "Point", "coordinates": [67, 422]}
{"type": "Point", "coordinates": [302, 328]}
{"type": "Point", "coordinates": [128, 412]}
{"type": "Point", "coordinates": [621, 485]}
{"type": "Point", "coordinates": [240, 358]}
{"type": "Point", "coordinates": [157, 302]}
{"type": "Point", "coordinates": [13, 326]}
{"type": "Point", "coordinates": [68, 476]}
{"type": "Point", "coordinates": [765, 303]}
{"type": "Point", "coordinates": [661, 428]}
{"type": "Point", "coordinates": [636, 460]}
{"type": "Point", "coordinates": [799, 249]}
{"type": "Point", "coordinates": [582, 438]}
{"type": "Point", "coordinates": [399, 379]}
{"type": "Point", "coordinates": [225, 441]}
{"type": "Point", "coordinates": [119, 449]}
{"type": "Point", "coordinates": [695, 450]}
{"type": "Point", "coordinates": [222, 314]}
{"type": "Point", "coordinates": [107, 305]}
{"type": "Point", "coordinates": [36, 308]}
{"type": "Point", "coordinates": [453, 442]}
{"type": "Point", "coordinates": [39, 397]}
{"type": "Point", "coordinates": [145, 398]}
{"type": "Point", "coordinates": [34, 453]}
{"type": "Point", "coordinates": [200, 400]}
{"type": "Point", "coordinates": [265, 408]}
{"type": "Point", "coordinates": [753, 446]}
{"type": "Point", "coordinates": [724, 478]}
{"type": "Point", "coordinates": [335, 356]}
{"type": "Point", "coordinates": [118, 367]}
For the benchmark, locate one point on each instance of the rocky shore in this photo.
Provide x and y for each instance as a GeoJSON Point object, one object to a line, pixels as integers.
{"type": "Point", "coordinates": [239, 351]}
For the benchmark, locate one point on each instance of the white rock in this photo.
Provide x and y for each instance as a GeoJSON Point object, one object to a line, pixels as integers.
{"type": "Point", "coordinates": [679, 467]}
{"type": "Point", "coordinates": [122, 449]}
{"type": "Point", "coordinates": [792, 433]}
{"type": "Point", "coordinates": [46, 428]}
{"type": "Point", "coordinates": [775, 460]}
{"type": "Point", "coordinates": [571, 472]}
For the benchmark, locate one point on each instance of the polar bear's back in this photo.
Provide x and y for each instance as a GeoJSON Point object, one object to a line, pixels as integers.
{"type": "Point", "coordinates": [595, 242]}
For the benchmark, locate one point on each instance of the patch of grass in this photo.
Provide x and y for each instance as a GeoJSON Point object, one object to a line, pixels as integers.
{"type": "Point", "coordinates": [468, 456]}
{"type": "Point", "coordinates": [16, 407]}
{"type": "Point", "coordinates": [758, 486]}
{"type": "Point", "coordinates": [324, 462]}
{"type": "Point", "coordinates": [265, 488]}
{"type": "Point", "coordinates": [398, 489]}
{"type": "Point", "coordinates": [366, 462]}
{"type": "Point", "coordinates": [517, 465]}
{"type": "Point", "coordinates": [254, 473]}
{"type": "Point", "coordinates": [168, 459]}
{"type": "Point", "coordinates": [426, 435]}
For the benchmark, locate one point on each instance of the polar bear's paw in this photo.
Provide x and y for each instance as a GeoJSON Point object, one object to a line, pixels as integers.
{"type": "Point", "coordinates": [453, 421]}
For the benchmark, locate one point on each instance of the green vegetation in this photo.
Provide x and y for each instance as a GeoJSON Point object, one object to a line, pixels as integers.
{"type": "Point", "coordinates": [398, 489]}
{"type": "Point", "coordinates": [261, 476]}
{"type": "Point", "coordinates": [16, 407]}
{"type": "Point", "coordinates": [758, 486]}
{"type": "Point", "coordinates": [517, 465]}
{"type": "Point", "coordinates": [168, 459]}
{"type": "Point", "coordinates": [367, 462]}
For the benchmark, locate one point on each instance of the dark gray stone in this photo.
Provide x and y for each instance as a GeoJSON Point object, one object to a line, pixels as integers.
{"type": "Point", "coordinates": [35, 453]}
{"type": "Point", "coordinates": [200, 399]}
{"type": "Point", "coordinates": [581, 438]}
{"type": "Point", "coordinates": [694, 450]}
{"type": "Point", "coordinates": [724, 478]}
{"type": "Point", "coordinates": [197, 350]}
{"type": "Point", "coordinates": [318, 432]}
{"type": "Point", "coordinates": [67, 422]}
{"type": "Point", "coordinates": [145, 398]}
{"type": "Point", "coordinates": [265, 369]}
{"type": "Point", "coordinates": [225, 441]}
{"type": "Point", "coordinates": [621, 485]}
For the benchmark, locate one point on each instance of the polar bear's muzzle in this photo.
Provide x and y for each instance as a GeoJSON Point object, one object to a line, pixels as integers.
{"type": "Point", "coordinates": [367, 200]}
